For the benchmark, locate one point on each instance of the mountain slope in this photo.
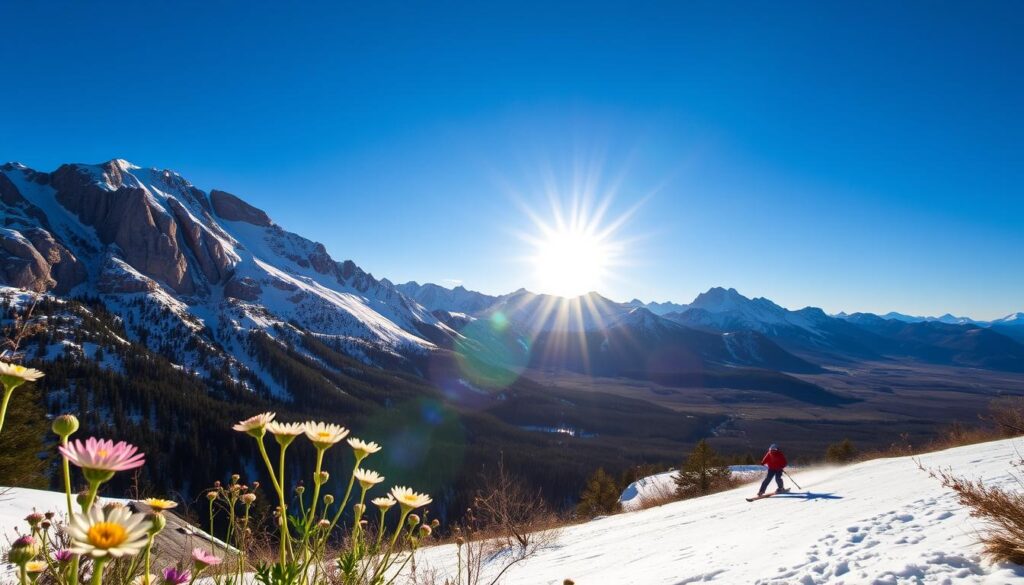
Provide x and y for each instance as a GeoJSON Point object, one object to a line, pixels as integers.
{"type": "Point", "coordinates": [840, 528]}
{"type": "Point", "coordinates": [122, 233]}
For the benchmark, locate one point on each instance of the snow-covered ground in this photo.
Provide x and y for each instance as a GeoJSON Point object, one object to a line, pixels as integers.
{"type": "Point", "coordinates": [879, 522]}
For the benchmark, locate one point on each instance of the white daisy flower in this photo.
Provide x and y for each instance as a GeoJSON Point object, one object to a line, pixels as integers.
{"type": "Point", "coordinates": [116, 532]}
{"type": "Point", "coordinates": [367, 478]}
{"type": "Point", "coordinates": [324, 435]}
{"type": "Point", "coordinates": [410, 499]}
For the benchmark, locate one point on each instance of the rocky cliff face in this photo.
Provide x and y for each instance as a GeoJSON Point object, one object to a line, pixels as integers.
{"type": "Point", "coordinates": [120, 231]}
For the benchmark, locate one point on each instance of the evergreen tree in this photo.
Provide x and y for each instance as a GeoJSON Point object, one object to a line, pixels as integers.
{"type": "Point", "coordinates": [22, 441]}
{"type": "Point", "coordinates": [600, 496]}
{"type": "Point", "coordinates": [701, 473]}
{"type": "Point", "coordinates": [843, 452]}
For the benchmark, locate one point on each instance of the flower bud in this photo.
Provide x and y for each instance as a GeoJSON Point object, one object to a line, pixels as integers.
{"type": "Point", "coordinates": [65, 425]}
{"type": "Point", "coordinates": [359, 509]}
{"type": "Point", "coordinates": [300, 490]}
{"type": "Point", "coordinates": [23, 550]}
{"type": "Point", "coordinates": [425, 531]}
{"type": "Point", "coordinates": [211, 495]}
{"type": "Point", "coordinates": [324, 524]}
{"type": "Point", "coordinates": [159, 522]}
{"type": "Point", "coordinates": [49, 515]}
{"type": "Point", "coordinates": [216, 484]}
{"type": "Point", "coordinates": [45, 524]}
{"type": "Point", "coordinates": [322, 477]}
{"type": "Point", "coordinates": [248, 499]}
{"type": "Point", "coordinates": [34, 519]}
{"type": "Point", "coordinates": [459, 541]}
{"type": "Point", "coordinates": [328, 500]}
{"type": "Point", "coordinates": [414, 519]}
{"type": "Point", "coordinates": [82, 498]}
{"type": "Point", "coordinates": [235, 477]}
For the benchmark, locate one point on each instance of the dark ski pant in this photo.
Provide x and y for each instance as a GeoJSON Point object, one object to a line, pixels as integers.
{"type": "Point", "coordinates": [772, 473]}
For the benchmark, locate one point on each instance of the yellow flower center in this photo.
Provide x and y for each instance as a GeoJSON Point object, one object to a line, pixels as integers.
{"type": "Point", "coordinates": [107, 535]}
{"type": "Point", "coordinates": [324, 435]}
{"type": "Point", "coordinates": [103, 452]}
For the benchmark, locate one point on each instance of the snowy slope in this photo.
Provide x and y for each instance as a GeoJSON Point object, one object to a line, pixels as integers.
{"type": "Point", "coordinates": [882, 521]}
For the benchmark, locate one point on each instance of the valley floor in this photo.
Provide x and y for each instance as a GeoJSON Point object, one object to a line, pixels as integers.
{"type": "Point", "coordinates": [880, 522]}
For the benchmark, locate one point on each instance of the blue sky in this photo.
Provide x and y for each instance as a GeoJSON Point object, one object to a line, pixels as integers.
{"type": "Point", "coordinates": [857, 156]}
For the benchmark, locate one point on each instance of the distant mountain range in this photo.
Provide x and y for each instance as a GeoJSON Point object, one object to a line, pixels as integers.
{"type": "Point", "coordinates": [147, 242]}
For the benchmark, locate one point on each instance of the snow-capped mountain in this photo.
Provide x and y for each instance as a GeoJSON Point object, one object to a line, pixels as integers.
{"type": "Point", "coordinates": [129, 234]}
{"type": "Point", "coordinates": [658, 308]}
{"type": "Point", "coordinates": [1010, 326]}
{"type": "Point", "coordinates": [439, 298]}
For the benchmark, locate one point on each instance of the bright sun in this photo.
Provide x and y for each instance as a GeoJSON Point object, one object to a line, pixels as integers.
{"type": "Point", "coordinates": [570, 261]}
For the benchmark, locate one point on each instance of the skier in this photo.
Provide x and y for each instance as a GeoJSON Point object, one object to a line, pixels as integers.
{"type": "Point", "coordinates": [776, 462]}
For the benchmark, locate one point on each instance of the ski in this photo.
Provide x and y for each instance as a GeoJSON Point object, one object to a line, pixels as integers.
{"type": "Point", "coordinates": [761, 497]}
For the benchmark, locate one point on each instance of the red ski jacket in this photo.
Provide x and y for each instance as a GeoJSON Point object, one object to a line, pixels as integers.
{"type": "Point", "coordinates": [775, 460]}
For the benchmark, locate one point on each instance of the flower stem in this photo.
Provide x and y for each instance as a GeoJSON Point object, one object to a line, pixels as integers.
{"type": "Point", "coordinates": [97, 571]}
{"type": "Point", "coordinates": [67, 477]}
{"type": "Point", "coordinates": [8, 391]}
{"type": "Point", "coordinates": [149, 549]}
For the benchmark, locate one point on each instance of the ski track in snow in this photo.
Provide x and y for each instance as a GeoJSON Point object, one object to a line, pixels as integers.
{"type": "Point", "coordinates": [882, 522]}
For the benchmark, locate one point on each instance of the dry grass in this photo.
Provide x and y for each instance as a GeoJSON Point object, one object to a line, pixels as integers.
{"type": "Point", "coordinates": [1002, 511]}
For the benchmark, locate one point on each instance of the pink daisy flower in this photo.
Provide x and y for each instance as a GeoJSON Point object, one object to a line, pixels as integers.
{"type": "Point", "coordinates": [204, 559]}
{"type": "Point", "coordinates": [100, 458]}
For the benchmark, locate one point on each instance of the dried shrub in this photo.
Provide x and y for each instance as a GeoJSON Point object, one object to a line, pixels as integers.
{"type": "Point", "coordinates": [1001, 510]}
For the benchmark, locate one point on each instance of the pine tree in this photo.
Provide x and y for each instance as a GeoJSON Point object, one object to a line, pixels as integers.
{"type": "Point", "coordinates": [843, 452]}
{"type": "Point", "coordinates": [600, 496]}
{"type": "Point", "coordinates": [702, 472]}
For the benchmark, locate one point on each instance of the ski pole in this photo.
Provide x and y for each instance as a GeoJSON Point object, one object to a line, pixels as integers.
{"type": "Point", "coordinates": [792, 480]}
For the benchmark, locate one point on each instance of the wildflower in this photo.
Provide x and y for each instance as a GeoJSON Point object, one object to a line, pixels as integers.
{"type": "Point", "coordinates": [248, 499]}
{"type": "Point", "coordinates": [35, 566]}
{"type": "Point", "coordinates": [211, 495]}
{"type": "Point", "coordinates": [409, 499]}
{"type": "Point", "coordinates": [173, 576]}
{"type": "Point", "coordinates": [23, 550]}
{"type": "Point", "coordinates": [160, 505]}
{"type": "Point", "coordinates": [384, 503]}
{"type": "Point", "coordinates": [324, 524]}
{"type": "Point", "coordinates": [144, 579]}
{"type": "Point", "coordinates": [322, 477]}
{"type": "Point", "coordinates": [203, 559]}
{"type": "Point", "coordinates": [65, 425]}
{"type": "Point", "coordinates": [63, 555]}
{"type": "Point", "coordinates": [324, 435]}
{"type": "Point", "coordinates": [255, 425]}
{"type": "Point", "coordinates": [13, 375]}
{"type": "Point", "coordinates": [328, 499]}
{"type": "Point", "coordinates": [116, 532]}
{"type": "Point", "coordinates": [34, 519]}
{"type": "Point", "coordinates": [414, 519]}
{"type": "Point", "coordinates": [285, 433]}
{"type": "Point", "coordinates": [100, 458]}
{"type": "Point", "coordinates": [425, 531]}
{"type": "Point", "coordinates": [363, 449]}
{"type": "Point", "coordinates": [367, 478]}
